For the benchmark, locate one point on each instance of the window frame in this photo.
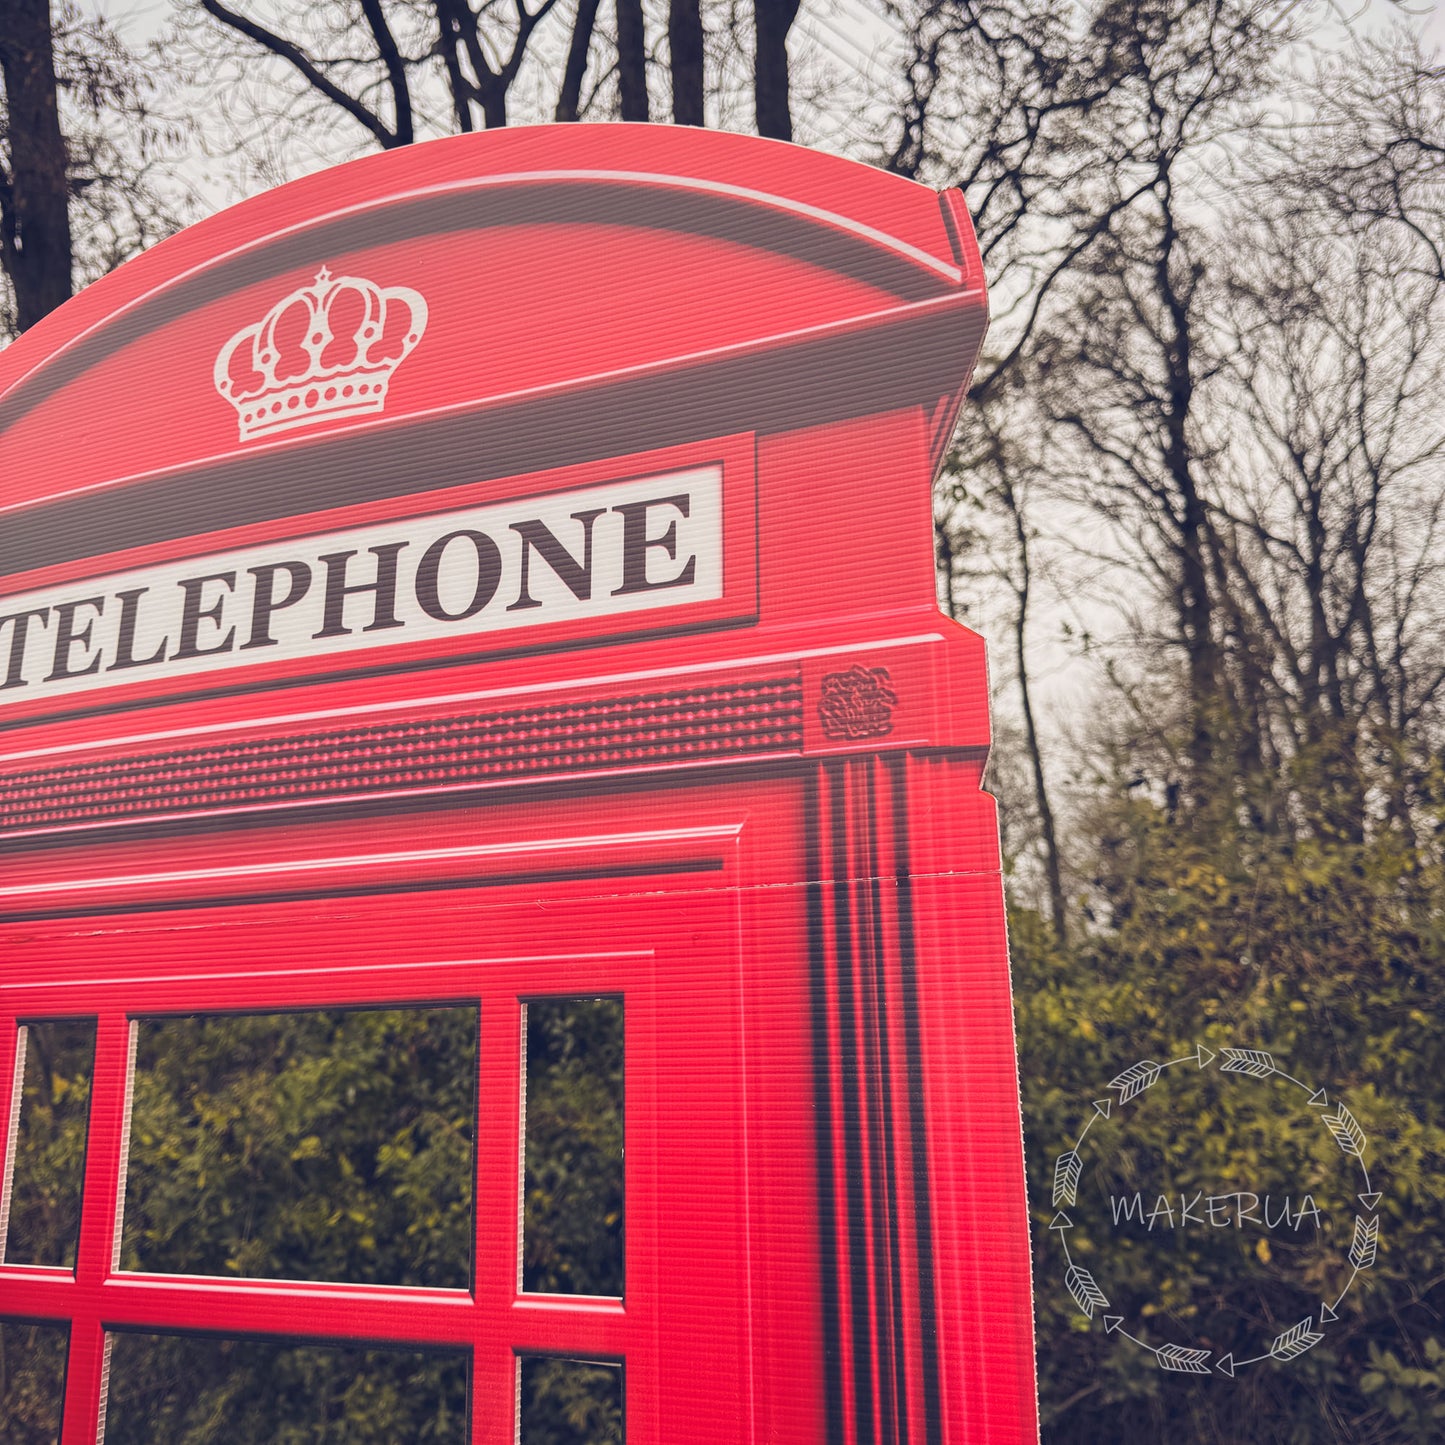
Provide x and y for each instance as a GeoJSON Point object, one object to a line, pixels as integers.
{"type": "Point", "coordinates": [584, 944]}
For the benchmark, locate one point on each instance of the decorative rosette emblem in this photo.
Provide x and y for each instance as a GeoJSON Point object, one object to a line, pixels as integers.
{"type": "Point", "coordinates": [858, 703]}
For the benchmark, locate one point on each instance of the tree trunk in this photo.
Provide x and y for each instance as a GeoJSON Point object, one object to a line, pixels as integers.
{"type": "Point", "coordinates": [632, 59]}
{"type": "Point", "coordinates": [1194, 600]}
{"type": "Point", "coordinates": [684, 43]}
{"type": "Point", "coordinates": [34, 197]}
{"type": "Point", "coordinates": [1052, 870]}
{"type": "Point", "coordinates": [772, 21]}
{"type": "Point", "coordinates": [396, 78]}
{"type": "Point", "coordinates": [493, 99]}
{"type": "Point", "coordinates": [569, 99]}
{"type": "Point", "coordinates": [943, 557]}
{"type": "Point", "coordinates": [1196, 626]}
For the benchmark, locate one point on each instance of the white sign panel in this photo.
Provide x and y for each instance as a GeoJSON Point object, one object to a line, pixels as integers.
{"type": "Point", "coordinates": [614, 549]}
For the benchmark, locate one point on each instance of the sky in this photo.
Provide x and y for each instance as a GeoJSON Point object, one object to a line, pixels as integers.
{"type": "Point", "coordinates": [854, 37]}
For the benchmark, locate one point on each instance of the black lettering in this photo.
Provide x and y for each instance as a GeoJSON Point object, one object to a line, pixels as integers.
{"type": "Point", "coordinates": [337, 591]}
{"type": "Point", "coordinates": [193, 614]}
{"type": "Point", "coordinates": [489, 576]}
{"type": "Point", "coordinates": [636, 542]}
{"type": "Point", "coordinates": [66, 637]}
{"type": "Point", "coordinates": [18, 634]}
{"type": "Point", "coordinates": [576, 575]}
{"type": "Point", "coordinates": [125, 636]}
{"type": "Point", "coordinates": [265, 603]}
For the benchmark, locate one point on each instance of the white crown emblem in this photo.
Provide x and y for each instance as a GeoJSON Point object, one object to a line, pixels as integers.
{"type": "Point", "coordinates": [327, 350]}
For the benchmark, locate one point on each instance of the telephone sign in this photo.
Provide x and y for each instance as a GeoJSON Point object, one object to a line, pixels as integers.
{"type": "Point", "coordinates": [484, 592]}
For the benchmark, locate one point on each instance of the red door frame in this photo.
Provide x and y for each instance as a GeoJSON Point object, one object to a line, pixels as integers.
{"type": "Point", "coordinates": [542, 939]}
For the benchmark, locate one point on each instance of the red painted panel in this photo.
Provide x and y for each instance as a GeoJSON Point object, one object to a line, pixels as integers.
{"type": "Point", "coordinates": [751, 808]}
{"type": "Point", "coordinates": [672, 953]}
{"type": "Point", "coordinates": [471, 343]}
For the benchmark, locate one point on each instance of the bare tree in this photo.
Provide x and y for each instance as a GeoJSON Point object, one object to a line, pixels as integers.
{"type": "Point", "coordinates": [367, 60]}
{"type": "Point", "coordinates": [96, 150]}
{"type": "Point", "coordinates": [772, 20]}
{"type": "Point", "coordinates": [632, 60]}
{"type": "Point", "coordinates": [35, 246]}
{"type": "Point", "coordinates": [1336, 499]}
{"type": "Point", "coordinates": [685, 52]}
{"type": "Point", "coordinates": [1128, 364]}
{"type": "Point", "coordinates": [1020, 575]}
{"type": "Point", "coordinates": [1373, 149]}
{"type": "Point", "coordinates": [569, 97]}
{"type": "Point", "coordinates": [1083, 140]}
{"type": "Point", "coordinates": [1001, 99]}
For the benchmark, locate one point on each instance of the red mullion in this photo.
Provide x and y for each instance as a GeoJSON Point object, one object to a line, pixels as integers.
{"type": "Point", "coordinates": [510, 1323]}
{"type": "Point", "coordinates": [99, 1223]}
{"type": "Point", "coordinates": [497, 1191]}
{"type": "Point", "coordinates": [295, 1309]}
{"type": "Point", "coordinates": [37, 1292]}
{"type": "Point", "coordinates": [642, 1158]}
{"type": "Point", "coordinates": [881, 1038]}
{"type": "Point", "coordinates": [593, 1327]}
{"type": "Point", "coordinates": [266, 991]}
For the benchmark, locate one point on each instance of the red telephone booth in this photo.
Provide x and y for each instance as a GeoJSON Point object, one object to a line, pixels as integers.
{"type": "Point", "coordinates": [497, 573]}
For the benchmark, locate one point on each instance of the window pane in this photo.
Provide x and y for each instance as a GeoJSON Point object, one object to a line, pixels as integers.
{"type": "Point", "coordinates": [44, 1219]}
{"type": "Point", "coordinates": [32, 1382]}
{"type": "Point", "coordinates": [199, 1389]}
{"type": "Point", "coordinates": [572, 1203]}
{"type": "Point", "coordinates": [569, 1402]}
{"type": "Point", "coordinates": [328, 1145]}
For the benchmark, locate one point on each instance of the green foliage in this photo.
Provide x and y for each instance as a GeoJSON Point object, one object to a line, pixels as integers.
{"type": "Point", "coordinates": [1323, 949]}
{"type": "Point", "coordinates": [32, 1379]}
{"type": "Point", "coordinates": [573, 1199]}
{"type": "Point", "coordinates": [195, 1390]}
{"type": "Point", "coordinates": [565, 1402]}
{"type": "Point", "coordinates": [572, 1206]}
{"type": "Point", "coordinates": [50, 1143]}
{"type": "Point", "coordinates": [1414, 1398]}
{"type": "Point", "coordinates": [324, 1145]}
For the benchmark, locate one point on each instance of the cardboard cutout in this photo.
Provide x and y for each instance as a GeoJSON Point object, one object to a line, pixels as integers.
{"type": "Point", "coordinates": [500, 571]}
